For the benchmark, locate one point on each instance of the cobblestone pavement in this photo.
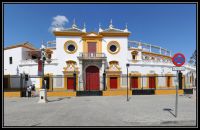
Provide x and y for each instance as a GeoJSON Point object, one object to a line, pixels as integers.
{"type": "Point", "coordinates": [144, 110]}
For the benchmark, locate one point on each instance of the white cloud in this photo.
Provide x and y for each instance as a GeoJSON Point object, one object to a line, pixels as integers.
{"type": "Point", "coordinates": [58, 22]}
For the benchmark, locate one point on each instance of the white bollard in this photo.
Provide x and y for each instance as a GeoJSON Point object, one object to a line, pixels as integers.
{"type": "Point", "coordinates": [42, 96]}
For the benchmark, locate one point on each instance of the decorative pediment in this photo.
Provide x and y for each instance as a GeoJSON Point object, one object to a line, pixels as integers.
{"type": "Point", "coordinates": [92, 35]}
{"type": "Point", "coordinates": [114, 66]}
{"type": "Point", "coordinates": [134, 52]}
{"type": "Point", "coordinates": [71, 66]}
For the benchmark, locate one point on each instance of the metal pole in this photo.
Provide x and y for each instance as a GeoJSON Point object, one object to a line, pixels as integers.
{"type": "Point", "coordinates": [21, 86]}
{"type": "Point", "coordinates": [43, 85]}
{"type": "Point", "coordinates": [127, 65]}
{"type": "Point", "coordinates": [176, 102]}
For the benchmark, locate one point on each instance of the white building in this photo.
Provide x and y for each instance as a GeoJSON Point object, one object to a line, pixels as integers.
{"type": "Point", "coordinates": [89, 55]}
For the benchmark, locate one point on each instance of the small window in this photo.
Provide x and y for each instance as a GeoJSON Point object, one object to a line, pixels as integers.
{"type": "Point", "coordinates": [71, 47]}
{"type": "Point", "coordinates": [113, 48]}
{"type": "Point", "coordinates": [10, 60]}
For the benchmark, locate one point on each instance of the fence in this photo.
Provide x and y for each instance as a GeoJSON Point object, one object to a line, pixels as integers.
{"type": "Point", "coordinates": [63, 83]}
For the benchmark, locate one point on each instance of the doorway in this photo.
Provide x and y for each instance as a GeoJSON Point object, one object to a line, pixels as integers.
{"type": "Point", "coordinates": [92, 78]}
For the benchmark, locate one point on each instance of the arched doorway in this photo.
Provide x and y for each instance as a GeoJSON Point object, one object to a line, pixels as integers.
{"type": "Point", "coordinates": [92, 78]}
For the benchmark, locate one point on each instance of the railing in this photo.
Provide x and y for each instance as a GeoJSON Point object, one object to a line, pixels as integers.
{"type": "Point", "coordinates": [152, 62]}
{"type": "Point", "coordinates": [92, 55]}
{"type": "Point", "coordinates": [149, 48]}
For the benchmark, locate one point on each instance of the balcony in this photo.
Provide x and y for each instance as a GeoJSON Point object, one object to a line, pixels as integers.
{"type": "Point", "coordinates": [35, 62]}
{"type": "Point", "coordinates": [92, 56]}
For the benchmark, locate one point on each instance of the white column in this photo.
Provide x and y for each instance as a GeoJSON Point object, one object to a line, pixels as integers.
{"type": "Point", "coordinates": [81, 76]}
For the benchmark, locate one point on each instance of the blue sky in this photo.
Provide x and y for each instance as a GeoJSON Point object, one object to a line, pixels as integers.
{"type": "Point", "coordinates": [171, 26]}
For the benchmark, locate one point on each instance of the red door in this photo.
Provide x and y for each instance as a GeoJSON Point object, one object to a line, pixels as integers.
{"type": "Point", "coordinates": [134, 82]}
{"type": "Point", "coordinates": [113, 82]}
{"type": "Point", "coordinates": [152, 83]}
{"type": "Point", "coordinates": [92, 78]}
{"type": "Point", "coordinates": [92, 47]}
{"type": "Point", "coordinates": [70, 83]}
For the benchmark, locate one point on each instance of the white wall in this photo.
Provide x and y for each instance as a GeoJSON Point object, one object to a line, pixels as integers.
{"type": "Point", "coordinates": [62, 56]}
{"type": "Point", "coordinates": [121, 56]}
{"type": "Point", "coordinates": [16, 54]}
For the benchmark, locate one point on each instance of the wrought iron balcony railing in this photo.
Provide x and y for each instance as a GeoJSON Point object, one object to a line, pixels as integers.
{"type": "Point", "coordinates": [92, 56]}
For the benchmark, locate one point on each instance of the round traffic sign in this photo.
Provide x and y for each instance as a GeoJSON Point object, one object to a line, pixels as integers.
{"type": "Point", "coordinates": [178, 59]}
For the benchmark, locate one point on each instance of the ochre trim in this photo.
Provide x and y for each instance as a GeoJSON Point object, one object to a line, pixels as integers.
{"type": "Point", "coordinates": [68, 33]}
{"type": "Point", "coordinates": [113, 43]}
{"type": "Point", "coordinates": [50, 76]}
{"type": "Point", "coordinates": [170, 80]}
{"type": "Point", "coordinates": [163, 92]}
{"type": "Point", "coordinates": [97, 37]}
{"type": "Point", "coordinates": [70, 42]}
{"type": "Point", "coordinates": [57, 94]}
{"type": "Point", "coordinates": [12, 94]}
{"type": "Point", "coordinates": [183, 82]}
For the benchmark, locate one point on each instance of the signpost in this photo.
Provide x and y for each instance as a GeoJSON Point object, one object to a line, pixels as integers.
{"type": "Point", "coordinates": [178, 60]}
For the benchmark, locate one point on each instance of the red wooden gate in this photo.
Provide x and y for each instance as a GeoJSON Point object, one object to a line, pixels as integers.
{"type": "Point", "coordinates": [70, 83]}
{"type": "Point", "coordinates": [113, 82]}
{"type": "Point", "coordinates": [134, 82]}
{"type": "Point", "coordinates": [152, 83]}
{"type": "Point", "coordinates": [92, 78]}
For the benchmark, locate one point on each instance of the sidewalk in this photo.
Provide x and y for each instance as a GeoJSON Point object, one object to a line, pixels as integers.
{"type": "Point", "coordinates": [145, 110]}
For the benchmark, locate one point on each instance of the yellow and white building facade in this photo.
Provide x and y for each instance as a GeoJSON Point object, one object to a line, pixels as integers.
{"type": "Point", "coordinates": [90, 55]}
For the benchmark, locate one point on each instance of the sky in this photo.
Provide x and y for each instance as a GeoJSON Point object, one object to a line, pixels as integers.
{"type": "Point", "coordinates": [171, 26]}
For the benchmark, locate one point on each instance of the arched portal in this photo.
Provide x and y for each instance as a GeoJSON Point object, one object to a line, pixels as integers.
{"type": "Point", "coordinates": [92, 78]}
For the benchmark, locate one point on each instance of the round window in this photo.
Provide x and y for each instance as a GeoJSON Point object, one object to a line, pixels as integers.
{"type": "Point", "coordinates": [71, 47]}
{"type": "Point", "coordinates": [113, 48]}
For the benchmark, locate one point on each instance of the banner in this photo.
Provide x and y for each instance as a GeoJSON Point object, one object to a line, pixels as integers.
{"type": "Point", "coordinates": [39, 67]}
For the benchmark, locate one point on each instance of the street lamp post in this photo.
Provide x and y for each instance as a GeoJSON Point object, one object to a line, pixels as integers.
{"type": "Point", "coordinates": [127, 65]}
{"type": "Point", "coordinates": [43, 92]}
{"type": "Point", "coordinates": [104, 80]}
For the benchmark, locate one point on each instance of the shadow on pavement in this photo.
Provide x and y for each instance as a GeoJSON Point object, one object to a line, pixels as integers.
{"type": "Point", "coordinates": [59, 99]}
{"type": "Point", "coordinates": [170, 111]}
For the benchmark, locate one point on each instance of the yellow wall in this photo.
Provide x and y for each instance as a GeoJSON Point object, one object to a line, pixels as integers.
{"type": "Point", "coordinates": [171, 78]}
{"type": "Point", "coordinates": [50, 75]}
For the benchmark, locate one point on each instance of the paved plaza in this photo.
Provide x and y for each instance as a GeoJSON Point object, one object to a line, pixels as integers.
{"type": "Point", "coordinates": [141, 110]}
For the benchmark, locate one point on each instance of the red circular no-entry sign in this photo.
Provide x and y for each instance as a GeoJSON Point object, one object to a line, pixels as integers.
{"type": "Point", "coordinates": [178, 59]}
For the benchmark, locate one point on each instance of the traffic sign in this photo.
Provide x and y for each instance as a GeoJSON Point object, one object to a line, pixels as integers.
{"type": "Point", "coordinates": [175, 68]}
{"type": "Point", "coordinates": [178, 59]}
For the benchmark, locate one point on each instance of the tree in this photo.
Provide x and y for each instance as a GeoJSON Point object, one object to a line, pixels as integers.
{"type": "Point", "coordinates": [193, 59]}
